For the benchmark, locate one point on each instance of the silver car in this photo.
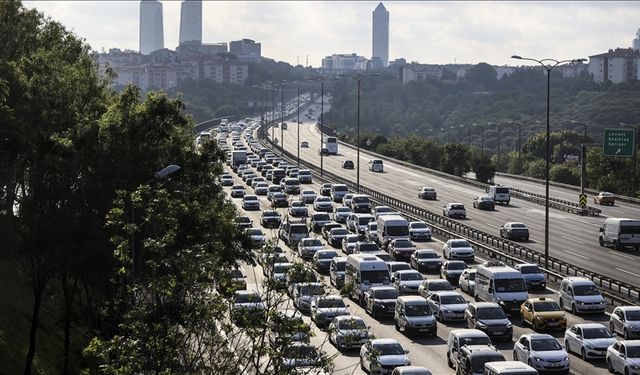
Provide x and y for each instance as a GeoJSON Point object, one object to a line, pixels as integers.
{"type": "Point", "coordinates": [341, 213]}
{"type": "Point", "coordinates": [325, 308]}
{"type": "Point", "coordinates": [588, 340]}
{"type": "Point", "coordinates": [419, 231]}
{"type": "Point", "coordinates": [467, 281]}
{"type": "Point", "coordinates": [448, 305]}
{"type": "Point", "coordinates": [542, 352]}
{"type": "Point", "coordinates": [407, 281]}
{"type": "Point", "coordinates": [307, 247]}
{"type": "Point", "coordinates": [381, 356]}
{"type": "Point", "coordinates": [348, 332]}
{"type": "Point", "coordinates": [625, 321]}
{"type": "Point", "coordinates": [349, 243]}
{"type": "Point", "coordinates": [624, 357]}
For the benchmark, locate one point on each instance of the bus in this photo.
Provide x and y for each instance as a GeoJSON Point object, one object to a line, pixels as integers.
{"type": "Point", "coordinates": [331, 144]}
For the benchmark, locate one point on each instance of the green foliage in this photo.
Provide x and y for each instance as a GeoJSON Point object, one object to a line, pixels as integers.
{"type": "Point", "coordinates": [482, 166]}
{"type": "Point", "coordinates": [565, 174]}
{"type": "Point", "coordinates": [484, 75]}
{"type": "Point", "coordinates": [456, 159]}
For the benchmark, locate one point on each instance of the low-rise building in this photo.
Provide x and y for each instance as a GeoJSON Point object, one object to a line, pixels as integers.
{"type": "Point", "coordinates": [617, 65]}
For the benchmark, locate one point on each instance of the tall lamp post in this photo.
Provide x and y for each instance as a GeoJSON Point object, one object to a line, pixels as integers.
{"type": "Point", "coordinates": [548, 65]}
{"type": "Point", "coordinates": [322, 80]}
{"type": "Point", "coordinates": [273, 112]}
{"type": "Point", "coordinates": [298, 119]}
{"type": "Point", "coordinates": [358, 78]}
{"type": "Point", "coordinates": [282, 118]}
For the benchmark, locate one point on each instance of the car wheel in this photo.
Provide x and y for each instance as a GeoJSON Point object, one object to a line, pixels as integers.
{"type": "Point", "coordinates": [626, 371]}
{"type": "Point", "coordinates": [625, 334]}
{"type": "Point", "coordinates": [560, 304]}
{"type": "Point", "coordinates": [583, 354]}
{"type": "Point", "coordinates": [573, 309]}
{"type": "Point", "coordinates": [609, 366]}
{"type": "Point", "coordinates": [567, 347]}
{"type": "Point", "coordinates": [395, 322]}
{"type": "Point", "coordinates": [515, 356]}
{"type": "Point", "coordinates": [441, 316]}
{"type": "Point", "coordinates": [362, 365]}
{"type": "Point", "coordinates": [449, 363]}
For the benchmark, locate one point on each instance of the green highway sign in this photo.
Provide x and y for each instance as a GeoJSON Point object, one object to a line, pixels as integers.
{"type": "Point", "coordinates": [618, 142]}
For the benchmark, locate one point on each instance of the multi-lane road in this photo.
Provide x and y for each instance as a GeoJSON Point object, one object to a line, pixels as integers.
{"type": "Point", "coordinates": [573, 239]}
{"type": "Point", "coordinates": [427, 352]}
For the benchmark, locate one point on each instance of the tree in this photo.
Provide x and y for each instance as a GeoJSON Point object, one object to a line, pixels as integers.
{"type": "Point", "coordinates": [482, 166]}
{"type": "Point", "coordinates": [482, 74]}
{"type": "Point", "coordinates": [455, 159]}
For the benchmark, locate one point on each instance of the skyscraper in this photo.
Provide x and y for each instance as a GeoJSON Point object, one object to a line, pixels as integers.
{"type": "Point", "coordinates": [381, 34]}
{"type": "Point", "coordinates": [191, 21]}
{"type": "Point", "coordinates": [151, 29]}
{"type": "Point", "coordinates": [636, 41]}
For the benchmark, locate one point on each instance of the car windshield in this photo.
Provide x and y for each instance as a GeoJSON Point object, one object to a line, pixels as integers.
{"type": "Point", "coordinates": [330, 302]}
{"type": "Point", "coordinates": [247, 298]}
{"type": "Point", "coordinates": [529, 269]}
{"type": "Point", "coordinates": [633, 351]}
{"type": "Point", "coordinates": [386, 294]}
{"type": "Point", "coordinates": [633, 314]}
{"type": "Point", "coordinates": [411, 276]}
{"type": "Point", "coordinates": [457, 207]}
{"type": "Point", "coordinates": [455, 266]}
{"type": "Point", "coordinates": [368, 247]}
{"type": "Point", "coordinates": [374, 277]}
{"type": "Point", "coordinates": [323, 199]}
{"type": "Point", "coordinates": [255, 232]}
{"type": "Point", "coordinates": [243, 219]}
{"type": "Point", "coordinates": [352, 239]}
{"type": "Point", "coordinates": [440, 285]}
{"type": "Point", "coordinates": [403, 243]}
{"type": "Point", "coordinates": [352, 324]}
{"type": "Point", "coordinates": [427, 255]}
{"type": "Point", "coordinates": [543, 345]}
{"type": "Point", "coordinates": [510, 285]}
{"type": "Point", "coordinates": [327, 254]}
{"type": "Point", "coordinates": [596, 333]}
{"type": "Point", "coordinates": [418, 310]}
{"type": "Point", "coordinates": [321, 217]}
{"type": "Point", "coordinates": [373, 226]}
{"type": "Point", "coordinates": [281, 268]}
{"type": "Point", "coordinates": [361, 200]}
{"type": "Point", "coordinates": [585, 290]}
{"type": "Point", "coordinates": [298, 204]}
{"type": "Point", "coordinates": [237, 187]}
{"type": "Point", "coordinates": [397, 231]}
{"type": "Point", "coordinates": [262, 185]}
{"type": "Point", "coordinates": [307, 192]}
{"type": "Point", "coordinates": [502, 190]}
{"type": "Point", "coordinates": [312, 290]}
{"type": "Point", "coordinates": [299, 228]}
{"type": "Point", "coordinates": [304, 173]}
{"type": "Point", "coordinates": [340, 188]}
{"type": "Point", "coordinates": [343, 209]}
{"type": "Point", "coordinates": [478, 340]}
{"type": "Point", "coordinates": [472, 276]}
{"type": "Point", "coordinates": [462, 243]}
{"type": "Point", "coordinates": [270, 213]}
{"type": "Point", "coordinates": [389, 349]}
{"type": "Point", "coordinates": [491, 313]}
{"type": "Point", "coordinates": [364, 220]}
{"type": "Point", "coordinates": [340, 266]}
{"type": "Point", "coordinates": [339, 232]}
{"type": "Point", "coordinates": [302, 352]}
{"type": "Point", "coordinates": [452, 300]}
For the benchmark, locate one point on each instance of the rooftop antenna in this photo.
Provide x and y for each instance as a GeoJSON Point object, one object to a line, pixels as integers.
{"type": "Point", "coordinates": [307, 61]}
{"type": "Point", "coordinates": [298, 60]}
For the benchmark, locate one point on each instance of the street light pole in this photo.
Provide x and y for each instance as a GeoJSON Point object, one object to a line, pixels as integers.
{"type": "Point", "coordinates": [298, 122]}
{"type": "Point", "coordinates": [548, 68]}
{"type": "Point", "coordinates": [321, 125]}
{"type": "Point", "coordinates": [282, 119]}
{"type": "Point", "coordinates": [498, 129]}
{"type": "Point", "coordinates": [273, 113]}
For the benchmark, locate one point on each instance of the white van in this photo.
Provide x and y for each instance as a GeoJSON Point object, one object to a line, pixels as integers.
{"type": "Point", "coordinates": [508, 368]}
{"type": "Point", "coordinates": [376, 165]}
{"type": "Point", "coordinates": [500, 194]}
{"type": "Point", "coordinates": [365, 271]}
{"type": "Point", "coordinates": [619, 233]}
{"type": "Point", "coordinates": [391, 227]}
{"type": "Point", "coordinates": [580, 295]}
{"type": "Point", "coordinates": [502, 285]}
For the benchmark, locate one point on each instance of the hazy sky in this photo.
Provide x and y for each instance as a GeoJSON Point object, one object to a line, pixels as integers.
{"type": "Point", "coordinates": [428, 32]}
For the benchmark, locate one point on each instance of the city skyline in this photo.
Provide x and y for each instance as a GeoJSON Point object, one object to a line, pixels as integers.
{"type": "Point", "coordinates": [428, 32]}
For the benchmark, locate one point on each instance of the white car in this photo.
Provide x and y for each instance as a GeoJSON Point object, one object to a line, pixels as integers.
{"type": "Point", "coordinates": [246, 305]}
{"type": "Point", "coordinates": [376, 165]}
{"type": "Point", "coordinates": [325, 308]}
{"type": "Point", "coordinates": [307, 247]}
{"type": "Point", "coordinates": [625, 321]}
{"type": "Point", "coordinates": [323, 204]}
{"type": "Point", "coordinates": [346, 200]}
{"type": "Point", "coordinates": [419, 231]}
{"type": "Point", "coordinates": [256, 237]}
{"type": "Point", "coordinates": [542, 352]}
{"type": "Point", "coordinates": [381, 356]}
{"type": "Point", "coordinates": [308, 196]}
{"type": "Point", "coordinates": [458, 249]}
{"type": "Point", "coordinates": [349, 243]}
{"type": "Point", "coordinates": [341, 214]}
{"type": "Point", "coordinates": [588, 340]}
{"type": "Point", "coordinates": [348, 332]}
{"type": "Point", "coordinates": [467, 281]}
{"type": "Point", "coordinates": [624, 357]}
{"type": "Point", "coordinates": [454, 210]}
{"type": "Point", "coordinates": [261, 188]}
{"type": "Point", "coordinates": [300, 354]}
{"type": "Point", "coordinates": [407, 281]}
{"type": "Point", "coordinates": [448, 305]}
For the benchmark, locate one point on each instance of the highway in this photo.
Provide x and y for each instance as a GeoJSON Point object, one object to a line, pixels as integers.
{"type": "Point", "coordinates": [427, 352]}
{"type": "Point", "coordinates": [573, 239]}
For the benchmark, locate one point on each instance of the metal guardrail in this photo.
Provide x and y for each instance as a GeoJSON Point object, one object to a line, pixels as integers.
{"type": "Point", "coordinates": [623, 198]}
{"type": "Point", "coordinates": [559, 204]}
{"type": "Point", "coordinates": [489, 244]}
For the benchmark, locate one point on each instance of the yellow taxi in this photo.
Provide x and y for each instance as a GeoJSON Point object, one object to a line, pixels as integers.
{"type": "Point", "coordinates": [543, 313]}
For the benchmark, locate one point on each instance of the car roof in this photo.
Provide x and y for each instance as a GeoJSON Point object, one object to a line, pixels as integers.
{"type": "Point", "coordinates": [384, 341]}
{"type": "Point", "coordinates": [538, 336]}
{"type": "Point", "coordinates": [483, 305]}
{"type": "Point", "coordinates": [374, 288]}
{"type": "Point", "coordinates": [629, 308]}
{"type": "Point", "coordinates": [468, 332]}
{"type": "Point", "coordinates": [425, 251]}
{"type": "Point", "coordinates": [590, 325]}
{"type": "Point", "coordinates": [410, 299]}
{"type": "Point", "coordinates": [443, 293]}
{"type": "Point", "coordinates": [579, 280]}
{"type": "Point", "coordinates": [407, 271]}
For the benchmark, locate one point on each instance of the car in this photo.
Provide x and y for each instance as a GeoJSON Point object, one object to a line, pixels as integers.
{"type": "Point", "coordinates": [322, 260]}
{"type": "Point", "coordinates": [542, 352]}
{"type": "Point", "coordinates": [458, 339]}
{"type": "Point", "coordinates": [325, 308]}
{"type": "Point", "coordinates": [307, 196]}
{"type": "Point", "coordinates": [325, 190]}
{"type": "Point", "coordinates": [261, 188]}
{"type": "Point", "coordinates": [589, 340]}
{"type": "Point", "coordinates": [451, 270]}
{"type": "Point", "coordinates": [484, 202]}
{"type": "Point", "coordinates": [300, 355]}
{"type": "Point", "coordinates": [295, 329]}
{"type": "Point", "coordinates": [419, 231]}
{"type": "Point", "coordinates": [324, 152]}
{"type": "Point", "coordinates": [411, 370]}
{"type": "Point", "coordinates": [357, 223]}
{"type": "Point", "coordinates": [347, 164]}
{"type": "Point", "coordinates": [336, 235]}
{"type": "Point", "coordinates": [401, 248]}
{"type": "Point", "coordinates": [346, 200]}
{"type": "Point", "coordinates": [395, 266]}
{"type": "Point", "coordinates": [580, 295]}
{"type": "Point", "coordinates": [256, 237]}
{"type": "Point", "coordinates": [298, 209]}
{"type": "Point", "coordinates": [246, 306]}
{"type": "Point", "coordinates": [278, 274]}
{"type": "Point", "coordinates": [270, 219]}
{"type": "Point", "coordinates": [414, 316]}
{"type": "Point", "coordinates": [348, 332]}
{"type": "Point", "coordinates": [337, 271]}
{"type": "Point", "coordinates": [467, 281]}
{"type": "Point", "coordinates": [406, 281]}
{"type": "Point", "coordinates": [273, 189]}
{"type": "Point", "coordinates": [532, 275]}
{"type": "Point", "coordinates": [514, 231]}
{"type": "Point", "coordinates": [458, 248]}
{"type": "Point", "coordinates": [243, 222]}
{"type": "Point", "coordinates": [454, 210]}
{"type": "Point", "coordinates": [250, 202]}
{"type": "Point", "coordinates": [625, 321]}
{"type": "Point", "coordinates": [360, 203]}
{"type": "Point", "coordinates": [307, 247]}
{"type": "Point", "coordinates": [430, 286]}
{"type": "Point", "coordinates": [604, 197]}
{"type": "Point", "coordinates": [382, 210]}
{"type": "Point", "coordinates": [225, 180]}
{"type": "Point", "coordinates": [380, 301]}
{"type": "Point", "coordinates": [381, 356]}
{"type": "Point", "coordinates": [376, 165]}
{"type": "Point", "coordinates": [233, 280]}
{"type": "Point", "coordinates": [349, 243]}
{"type": "Point", "coordinates": [256, 180]}
{"type": "Point", "coordinates": [341, 213]}
{"type": "Point", "coordinates": [318, 220]}
{"type": "Point", "coordinates": [472, 358]}
{"type": "Point", "coordinates": [543, 313]}
{"type": "Point", "coordinates": [427, 193]}
{"type": "Point", "coordinates": [624, 357]}
{"type": "Point", "coordinates": [366, 247]}
{"type": "Point", "coordinates": [323, 204]}
{"type": "Point", "coordinates": [279, 200]}
{"type": "Point", "coordinates": [371, 233]}
{"type": "Point", "coordinates": [304, 144]}
{"type": "Point", "coordinates": [425, 260]}
{"type": "Point", "coordinates": [304, 293]}
{"type": "Point", "coordinates": [237, 191]}
{"type": "Point", "coordinates": [327, 228]}
{"type": "Point", "coordinates": [304, 176]}
{"type": "Point", "coordinates": [448, 305]}
{"type": "Point", "coordinates": [490, 318]}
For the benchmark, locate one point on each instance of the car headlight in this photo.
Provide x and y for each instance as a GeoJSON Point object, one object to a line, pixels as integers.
{"type": "Point", "coordinates": [539, 318]}
{"type": "Point", "coordinates": [566, 358]}
{"type": "Point", "coordinates": [444, 309]}
{"type": "Point", "coordinates": [482, 325]}
{"type": "Point", "coordinates": [509, 325]}
{"type": "Point", "coordinates": [538, 359]}
{"type": "Point", "coordinates": [635, 367]}
{"type": "Point", "coordinates": [589, 346]}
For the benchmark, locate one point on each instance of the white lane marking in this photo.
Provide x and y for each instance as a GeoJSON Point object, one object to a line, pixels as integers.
{"type": "Point", "coordinates": [629, 272]}
{"type": "Point", "coordinates": [492, 225]}
{"type": "Point", "coordinates": [573, 239]}
{"type": "Point", "coordinates": [621, 255]}
{"type": "Point", "coordinates": [578, 255]}
{"type": "Point", "coordinates": [592, 224]}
